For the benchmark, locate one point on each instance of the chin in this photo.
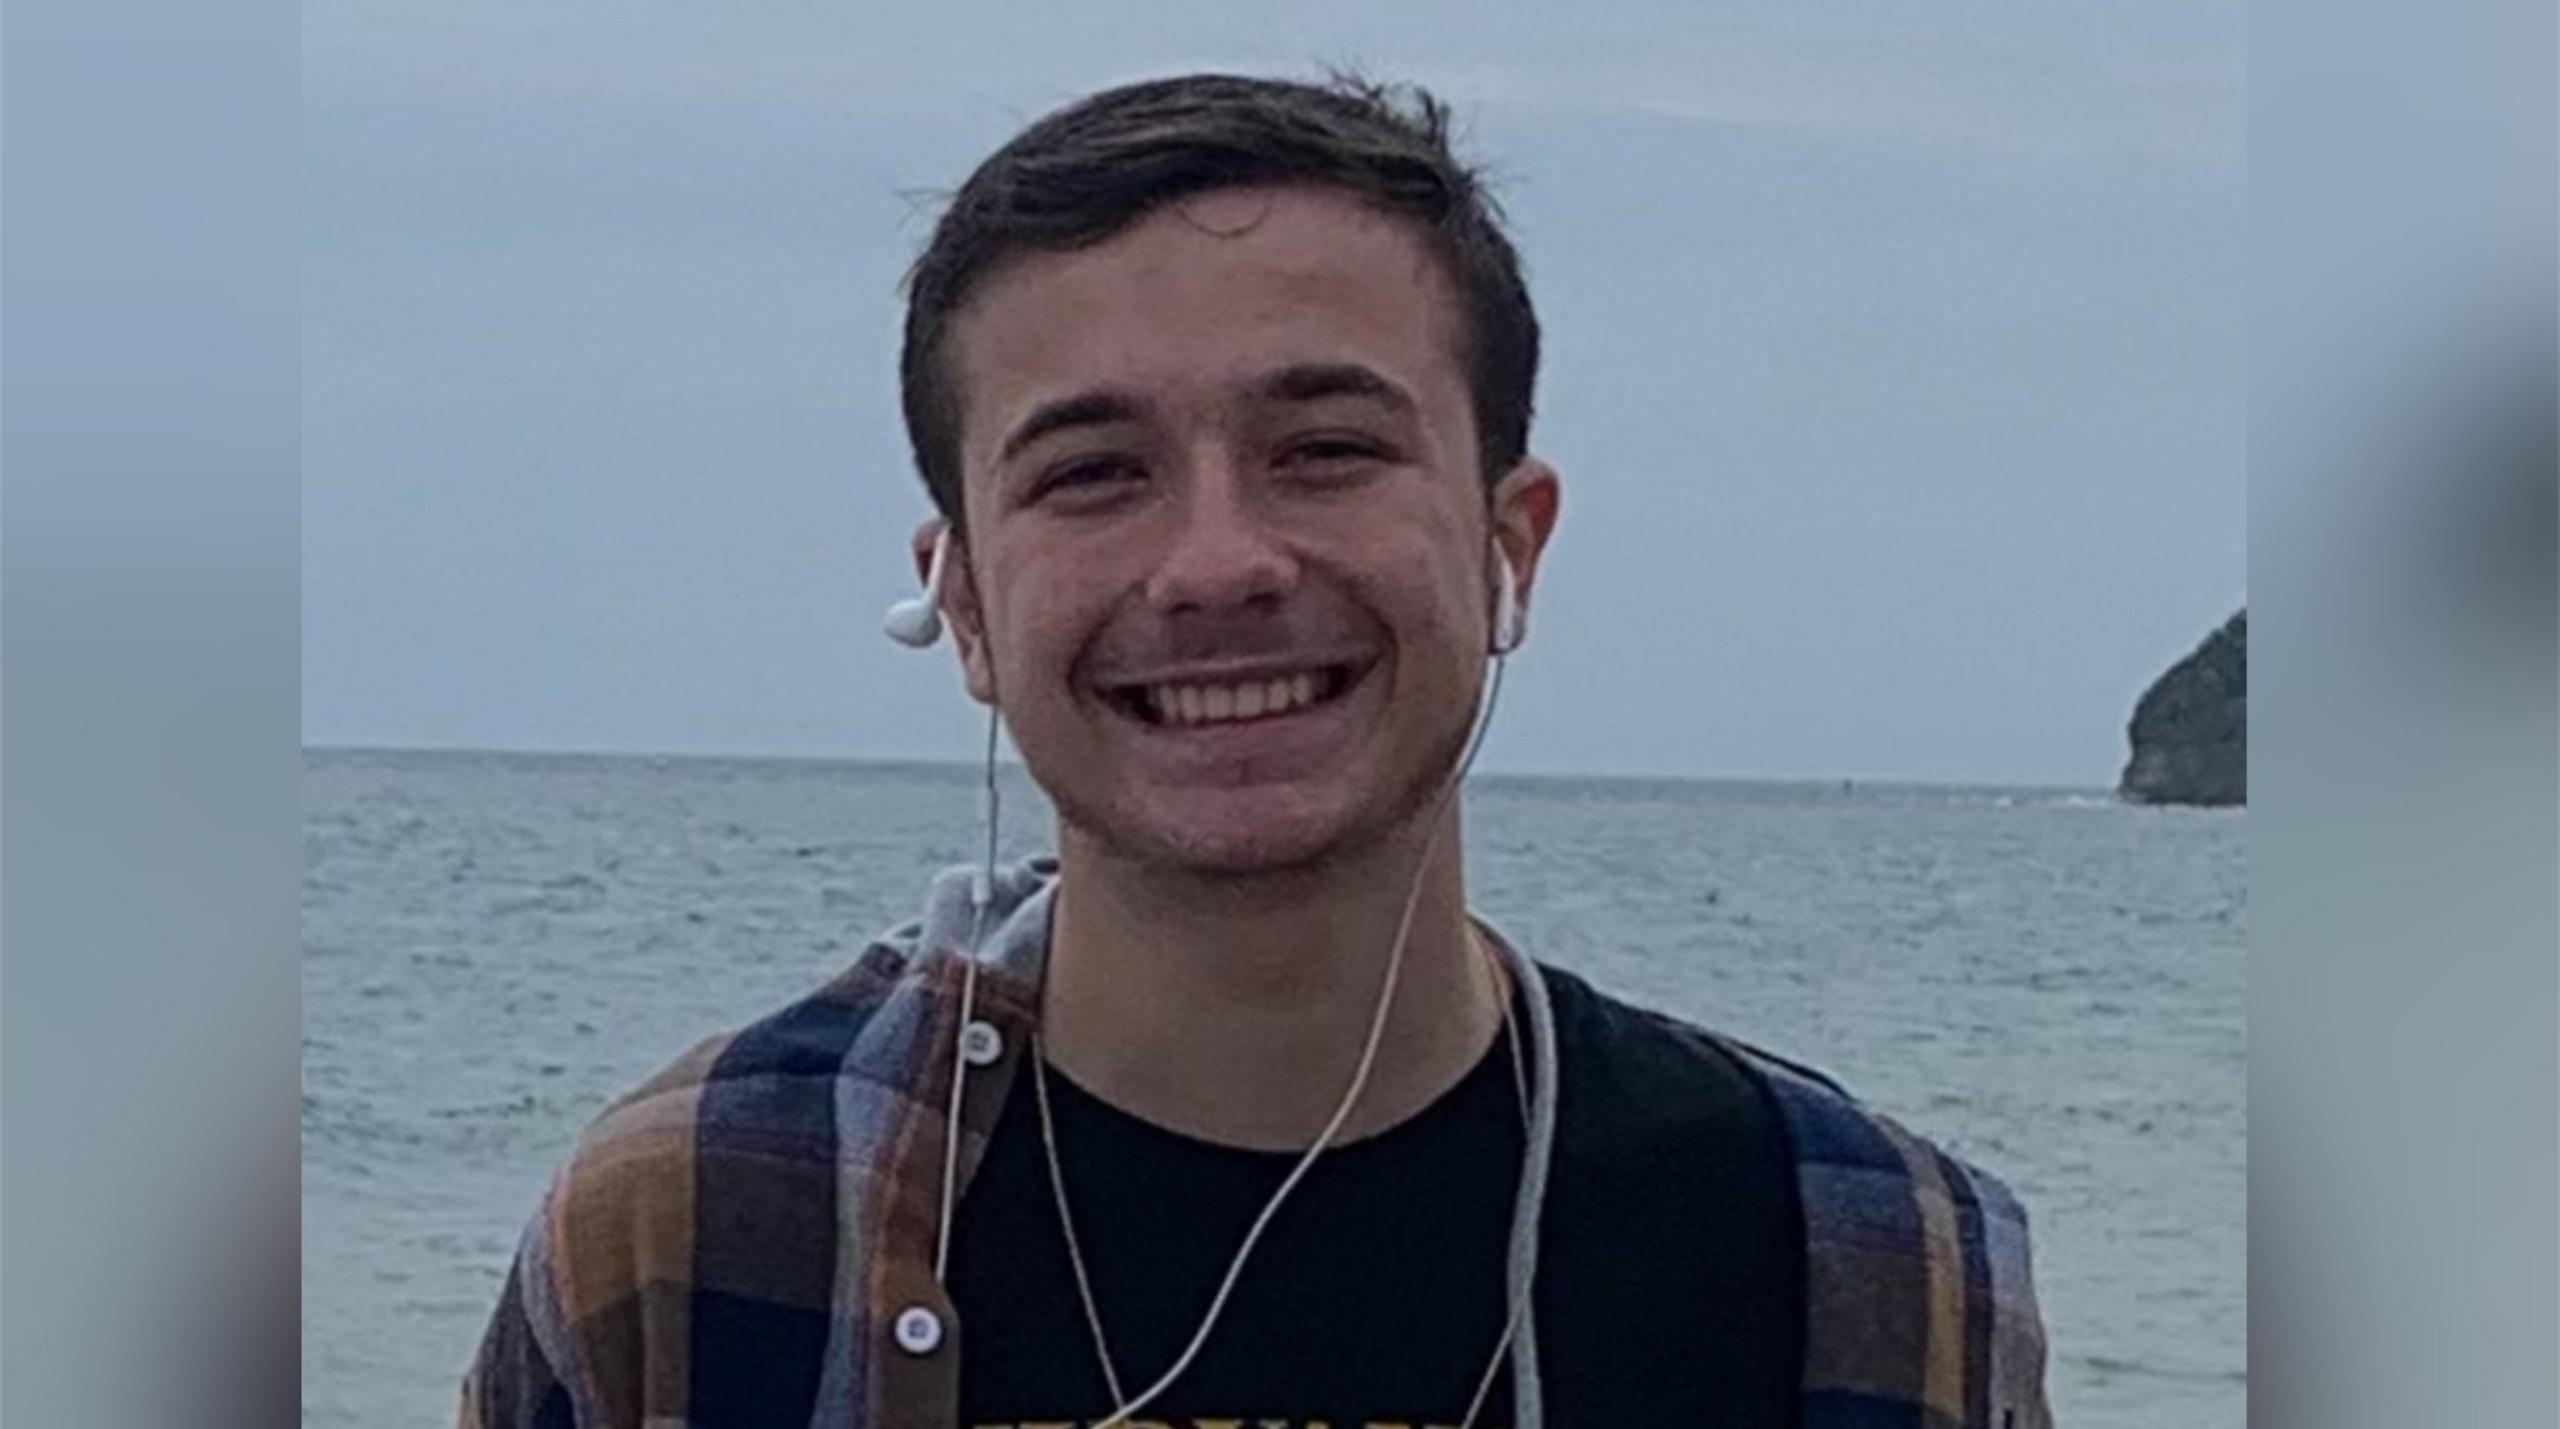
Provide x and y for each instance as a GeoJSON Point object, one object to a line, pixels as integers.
{"type": "Point", "coordinates": [1231, 834]}
{"type": "Point", "coordinates": [1245, 853]}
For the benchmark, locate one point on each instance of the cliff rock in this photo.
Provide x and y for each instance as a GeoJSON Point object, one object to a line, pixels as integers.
{"type": "Point", "coordinates": [2190, 732]}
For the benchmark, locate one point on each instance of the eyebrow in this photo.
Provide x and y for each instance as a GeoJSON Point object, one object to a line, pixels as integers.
{"type": "Point", "coordinates": [1313, 382]}
{"type": "Point", "coordinates": [1085, 409]}
{"type": "Point", "coordinates": [1303, 382]}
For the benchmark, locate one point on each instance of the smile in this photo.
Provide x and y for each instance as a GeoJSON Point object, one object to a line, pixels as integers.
{"type": "Point", "coordinates": [1193, 703]}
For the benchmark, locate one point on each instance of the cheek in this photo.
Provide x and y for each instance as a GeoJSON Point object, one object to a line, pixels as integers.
{"type": "Point", "coordinates": [1437, 587]}
{"type": "Point", "coordinates": [1043, 614]}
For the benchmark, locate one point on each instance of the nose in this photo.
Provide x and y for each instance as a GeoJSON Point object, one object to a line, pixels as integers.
{"type": "Point", "coordinates": [1221, 552]}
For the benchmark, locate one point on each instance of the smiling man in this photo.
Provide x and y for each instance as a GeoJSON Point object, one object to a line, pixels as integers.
{"type": "Point", "coordinates": [1232, 1113]}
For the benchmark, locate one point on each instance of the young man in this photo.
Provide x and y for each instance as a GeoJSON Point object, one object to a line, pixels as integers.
{"type": "Point", "coordinates": [1222, 389]}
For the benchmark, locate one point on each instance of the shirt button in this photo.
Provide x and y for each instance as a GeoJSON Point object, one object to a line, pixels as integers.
{"type": "Point", "coordinates": [981, 1045]}
{"type": "Point", "coordinates": [919, 1330]}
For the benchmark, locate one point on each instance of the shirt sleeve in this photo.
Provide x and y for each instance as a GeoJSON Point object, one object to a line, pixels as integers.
{"type": "Point", "coordinates": [511, 1383]}
{"type": "Point", "coordinates": [2017, 1340]}
{"type": "Point", "coordinates": [592, 1329]}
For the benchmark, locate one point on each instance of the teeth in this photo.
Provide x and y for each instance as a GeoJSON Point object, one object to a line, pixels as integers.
{"type": "Point", "coordinates": [1211, 704]}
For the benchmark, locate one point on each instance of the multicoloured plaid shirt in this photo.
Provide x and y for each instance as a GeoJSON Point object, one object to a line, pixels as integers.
{"type": "Point", "coordinates": [748, 1238]}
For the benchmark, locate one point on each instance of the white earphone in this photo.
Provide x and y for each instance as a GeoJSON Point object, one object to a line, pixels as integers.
{"type": "Point", "coordinates": [1506, 607]}
{"type": "Point", "coordinates": [916, 622]}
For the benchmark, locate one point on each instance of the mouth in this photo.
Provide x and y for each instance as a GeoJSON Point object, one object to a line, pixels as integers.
{"type": "Point", "coordinates": [1211, 701]}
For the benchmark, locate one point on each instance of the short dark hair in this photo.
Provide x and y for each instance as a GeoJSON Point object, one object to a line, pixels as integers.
{"type": "Point", "coordinates": [1090, 170]}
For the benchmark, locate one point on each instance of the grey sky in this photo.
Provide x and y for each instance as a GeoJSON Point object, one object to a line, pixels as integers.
{"type": "Point", "coordinates": [1895, 363]}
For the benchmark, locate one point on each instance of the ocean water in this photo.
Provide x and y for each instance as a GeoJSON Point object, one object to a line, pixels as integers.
{"type": "Point", "coordinates": [2048, 983]}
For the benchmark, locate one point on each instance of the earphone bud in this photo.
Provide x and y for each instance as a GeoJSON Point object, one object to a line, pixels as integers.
{"type": "Point", "coordinates": [1506, 607]}
{"type": "Point", "coordinates": [916, 622]}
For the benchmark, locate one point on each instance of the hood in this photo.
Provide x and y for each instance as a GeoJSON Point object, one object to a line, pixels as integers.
{"type": "Point", "coordinates": [1015, 934]}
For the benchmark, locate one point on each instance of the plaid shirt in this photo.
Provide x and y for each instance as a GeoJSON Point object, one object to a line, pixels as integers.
{"type": "Point", "coordinates": [748, 1238]}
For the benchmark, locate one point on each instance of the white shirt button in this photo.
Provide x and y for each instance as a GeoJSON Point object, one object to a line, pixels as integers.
{"type": "Point", "coordinates": [981, 1044]}
{"type": "Point", "coordinates": [919, 1330]}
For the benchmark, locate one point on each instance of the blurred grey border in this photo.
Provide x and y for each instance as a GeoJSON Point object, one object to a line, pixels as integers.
{"type": "Point", "coordinates": [2406, 927]}
{"type": "Point", "coordinates": [2405, 844]}
{"type": "Point", "coordinates": [149, 774]}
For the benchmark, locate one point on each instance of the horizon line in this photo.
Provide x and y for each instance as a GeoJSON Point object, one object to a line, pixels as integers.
{"type": "Point", "coordinates": [938, 762]}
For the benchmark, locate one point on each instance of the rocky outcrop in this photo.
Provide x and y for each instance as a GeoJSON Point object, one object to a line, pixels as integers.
{"type": "Point", "coordinates": [2190, 731]}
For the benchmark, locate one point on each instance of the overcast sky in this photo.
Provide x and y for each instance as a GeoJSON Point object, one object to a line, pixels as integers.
{"type": "Point", "coordinates": [1895, 362]}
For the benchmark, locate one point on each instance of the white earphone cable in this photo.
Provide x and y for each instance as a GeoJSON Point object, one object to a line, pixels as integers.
{"type": "Point", "coordinates": [981, 894]}
{"type": "Point", "coordinates": [1519, 1302]}
{"type": "Point", "coordinates": [1067, 1226]}
{"type": "Point", "coordinates": [1084, 1278]}
{"type": "Point", "coordinates": [1351, 1094]}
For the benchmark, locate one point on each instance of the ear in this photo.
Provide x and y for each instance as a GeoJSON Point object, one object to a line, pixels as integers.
{"type": "Point", "coordinates": [1525, 504]}
{"type": "Point", "coordinates": [961, 613]}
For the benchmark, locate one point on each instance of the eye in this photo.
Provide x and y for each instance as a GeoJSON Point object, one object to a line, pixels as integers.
{"type": "Point", "coordinates": [1334, 455]}
{"type": "Point", "coordinates": [1085, 481]}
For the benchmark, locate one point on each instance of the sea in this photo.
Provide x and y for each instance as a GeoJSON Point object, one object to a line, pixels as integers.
{"type": "Point", "coordinates": [2047, 982]}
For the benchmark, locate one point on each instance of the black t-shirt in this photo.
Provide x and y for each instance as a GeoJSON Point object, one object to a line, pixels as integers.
{"type": "Point", "coordinates": [1670, 1284]}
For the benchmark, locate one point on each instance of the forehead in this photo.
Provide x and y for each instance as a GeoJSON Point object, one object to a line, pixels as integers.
{"type": "Point", "coordinates": [1201, 298]}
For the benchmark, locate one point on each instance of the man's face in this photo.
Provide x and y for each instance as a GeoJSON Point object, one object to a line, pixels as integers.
{"type": "Point", "coordinates": [1228, 535]}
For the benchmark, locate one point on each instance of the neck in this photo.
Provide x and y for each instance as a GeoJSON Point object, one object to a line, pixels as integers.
{"type": "Point", "coordinates": [1235, 1009]}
